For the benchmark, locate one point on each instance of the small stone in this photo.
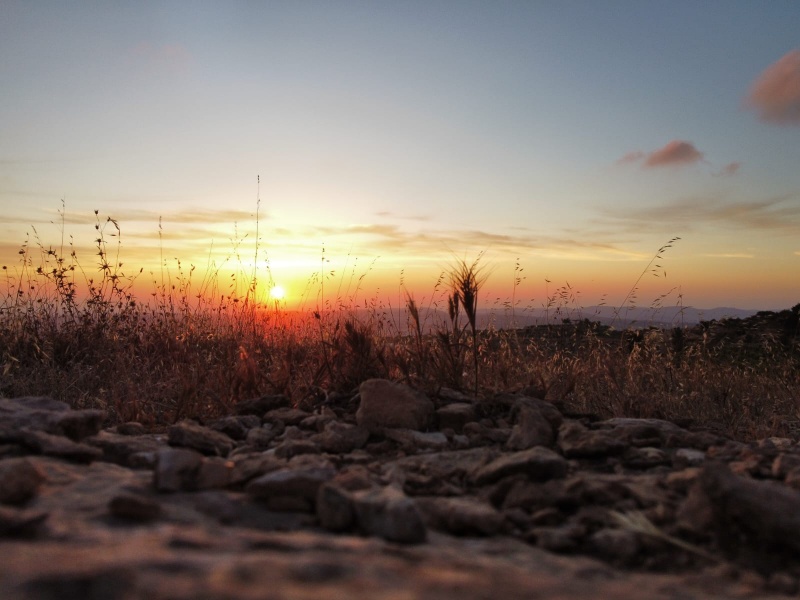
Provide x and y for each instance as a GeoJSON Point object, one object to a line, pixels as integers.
{"type": "Point", "coordinates": [688, 457]}
{"type": "Point", "coordinates": [341, 438]}
{"type": "Point", "coordinates": [261, 437]}
{"type": "Point", "coordinates": [784, 463]}
{"type": "Point", "coordinates": [176, 469]}
{"type": "Point", "coordinates": [19, 480]}
{"type": "Point", "coordinates": [236, 427]}
{"type": "Point", "coordinates": [575, 441]}
{"type": "Point", "coordinates": [17, 522]}
{"type": "Point", "coordinates": [291, 448]}
{"type": "Point", "coordinates": [131, 428]}
{"type": "Point", "coordinates": [60, 446]}
{"type": "Point", "coordinates": [538, 464]}
{"type": "Point", "coordinates": [388, 404]}
{"type": "Point", "coordinates": [335, 507]}
{"type": "Point", "coordinates": [286, 415]}
{"type": "Point", "coordinates": [214, 472]}
{"type": "Point", "coordinates": [462, 516]}
{"type": "Point", "coordinates": [456, 415]}
{"type": "Point", "coordinates": [134, 507]}
{"type": "Point", "coordinates": [617, 544]}
{"type": "Point", "coordinates": [189, 434]}
{"type": "Point", "coordinates": [301, 481]}
{"type": "Point", "coordinates": [390, 514]}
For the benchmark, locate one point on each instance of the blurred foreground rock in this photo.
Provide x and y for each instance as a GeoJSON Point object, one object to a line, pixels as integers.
{"type": "Point", "coordinates": [410, 496]}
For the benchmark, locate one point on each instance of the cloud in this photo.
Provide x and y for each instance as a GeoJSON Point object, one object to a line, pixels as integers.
{"type": "Point", "coordinates": [675, 153]}
{"type": "Point", "coordinates": [729, 170]}
{"type": "Point", "coordinates": [729, 255]}
{"type": "Point", "coordinates": [779, 214]}
{"type": "Point", "coordinates": [631, 157]}
{"type": "Point", "coordinates": [775, 95]}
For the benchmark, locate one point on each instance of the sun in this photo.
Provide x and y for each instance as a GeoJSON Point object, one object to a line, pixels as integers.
{"type": "Point", "coordinates": [277, 292]}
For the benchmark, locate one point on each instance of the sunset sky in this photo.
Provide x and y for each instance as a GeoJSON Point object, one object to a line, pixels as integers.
{"type": "Point", "coordinates": [573, 137]}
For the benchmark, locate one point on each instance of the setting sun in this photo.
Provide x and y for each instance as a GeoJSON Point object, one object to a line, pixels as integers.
{"type": "Point", "coordinates": [277, 293]}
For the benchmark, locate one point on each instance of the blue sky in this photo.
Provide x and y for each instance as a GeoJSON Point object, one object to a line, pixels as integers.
{"type": "Point", "coordinates": [575, 136]}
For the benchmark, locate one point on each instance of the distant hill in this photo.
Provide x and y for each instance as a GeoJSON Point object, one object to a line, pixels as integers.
{"type": "Point", "coordinates": [668, 316]}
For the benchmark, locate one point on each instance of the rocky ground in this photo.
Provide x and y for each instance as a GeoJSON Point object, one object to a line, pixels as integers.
{"type": "Point", "coordinates": [389, 494]}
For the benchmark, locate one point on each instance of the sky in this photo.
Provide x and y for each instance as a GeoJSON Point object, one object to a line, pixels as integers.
{"type": "Point", "coordinates": [372, 144]}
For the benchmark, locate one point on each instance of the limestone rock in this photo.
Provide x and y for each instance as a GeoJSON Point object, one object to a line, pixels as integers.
{"type": "Point", "coordinates": [537, 464]}
{"type": "Point", "coordinates": [60, 446]}
{"type": "Point", "coordinates": [295, 481]}
{"type": "Point", "coordinates": [575, 441]}
{"type": "Point", "coordinates": [236, 427]}
{"type": "Point", "coordinates": [19, 480]}
{"type": "Point", "coordinates": [176, 469]}
{"type": "Point", "coordinates": [189, 434]}
{"type": "Point", "coordinates": [462, 516]}
{"type": "Point", "coordinates": [388, 404]}
{"type": "Point", "coordinates": [455, 415]}
{"type": "Point", "coordinates": [341, 438]}
{"type": "Point", "coordinates": [390, 514]}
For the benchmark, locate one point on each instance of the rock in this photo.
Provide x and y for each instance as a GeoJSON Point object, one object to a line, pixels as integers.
{"type": "Point", "coordinates": [341, 438]}
{"type": "Point", "coordinates": [176, 469]}
{"type": "Point", "coordinates": [19, 480]}
{"type": "Point", "coordinates": [413, 441]}
{"type": "Point", "coordinates": [335, 509]}
{"type": "Point", "coordinates": [455, 415]}
{"type": "Point", "coordinates": [123, 449]}
{"type": "Point", "coordinates": [688, 457]}
{"type": "Point", "coordinates": [291, 448]}
{"type": "Point", "coordinates": [236, 427]}
{"type": "Point", "coordinates": [48, 416]}
{"type": "Point", "coordinates": [537, 464]}
{"type": "Point", "coordinates": [286, 415]}
{"type": "Point", "coordinates": [462, 516]}
{"type": "Point", "coordinates": [258, 513]}
{"type": "Point", "coordinates": [783, 464]}
{"type": "Point", "coordinates": [575, 441]}
{"type": "Point", "coordinates": [390, 514]}
{"type": "Point", "coordinates": [533, 428]}
{"type": "Point", "coordinates": [60, 446]}
{"type": "Point", "coordinates": [214, 472]}
{"type": "Point", "coordinates": [644, 458]}
{"type": "Point", "coordinates": [388, 404]}
{"type": "Point", "coordinates": [134, 507]}
{"type": "Point", "coordinates": [130, 428]}
{"type": "Point", "coordinates": [17, 522]}
{"type": "Point", "coordinates": [295, 481]}
{"type": "Point", "coordinates": [763, 511]}
{"type": "Point", "coordinates": [261, 437]}
{"type": "Point", "coordinates": [189, 434]}
{"type": "Point", "coordinates": [247, 467]}
{"type": "Point", "coordinates": [619, 545]}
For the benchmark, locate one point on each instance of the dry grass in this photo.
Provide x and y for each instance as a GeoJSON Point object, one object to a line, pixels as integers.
{"type": "Point", "coordinates": [194, 350]}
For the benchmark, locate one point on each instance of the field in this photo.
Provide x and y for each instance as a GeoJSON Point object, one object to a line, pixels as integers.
{"type": "Point", "coordinates": [81, 335]}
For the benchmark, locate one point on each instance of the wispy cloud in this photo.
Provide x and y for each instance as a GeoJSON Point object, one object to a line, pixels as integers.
{"type": "Point", "coordinates": [779, 214]}
{"type": "Point", "coordinates": [676, 153]}
{"type": "Point", "coordinates": [775, 95]}
{"type": "Point", "coordinates": [729, 170]}
{"type": "Point", "coordinates": [729, 255]}
{"type": "Point", "coordinates": [631, 157]}
{"type": "Point", "coordinates": [394, 215]}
